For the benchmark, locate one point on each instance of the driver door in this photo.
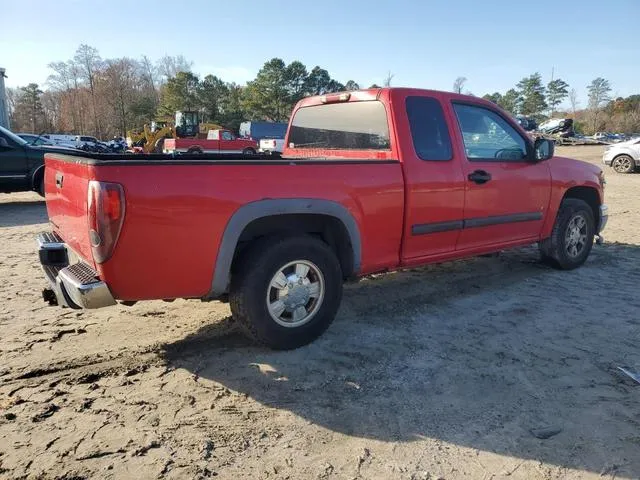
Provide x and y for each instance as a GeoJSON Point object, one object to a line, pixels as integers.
{"type": "Point", "coordinates": [228, 143]}
{"type": "Point", "coordinates": [506, 194]}
{"type": "Point", "coordinates": [13, 166]}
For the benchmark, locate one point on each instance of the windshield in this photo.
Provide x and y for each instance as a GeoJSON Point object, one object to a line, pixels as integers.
{"type": "Point", "coordinates": [12, 136]}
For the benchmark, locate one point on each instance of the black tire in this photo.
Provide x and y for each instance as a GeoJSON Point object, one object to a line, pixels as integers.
{"type": "Point", "coordinates": [251, 285]}
{"type": "Point", "coordinates": [194, 151]}
{"type": "Point", "coordinates": [39, 185]}
{"type": "Point", "coordinates": [623, 164]}
{"type": "Point", "coordinates": [248, 152]}
{"type": "Point", "coordinates": [556, 249]}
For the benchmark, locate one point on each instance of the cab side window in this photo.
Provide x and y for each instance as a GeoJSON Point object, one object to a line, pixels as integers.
{"type": "Point", "coordinates": [489, 137]}
{"type": "Point", "coordinates": [429, 130]}
{"type": "Point", "coordinates": [227, 136]}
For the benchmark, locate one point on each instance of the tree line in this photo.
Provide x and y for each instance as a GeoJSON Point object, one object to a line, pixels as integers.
{"type": "Point", "coordinates": [105, 97]}
{"type": "Point", "coordinates": [530, 97]}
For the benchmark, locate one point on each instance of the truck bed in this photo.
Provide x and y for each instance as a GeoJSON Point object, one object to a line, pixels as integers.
{"type": "Point", "coordinates": [177, 211]}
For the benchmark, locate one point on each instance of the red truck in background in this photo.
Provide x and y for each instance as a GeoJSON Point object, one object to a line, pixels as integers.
{"type": "Point", "coordinates": [217, 141]}
{"type": "Point", "coordinates": [370, 181]}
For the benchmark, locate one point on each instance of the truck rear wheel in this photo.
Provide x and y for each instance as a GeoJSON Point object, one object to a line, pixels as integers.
{"type": "Point", "coordinates": [286, 291]}
{"type": "Point", "coordinates": [248, 152]}
{"type": "Point", "coordinates": [571, 239]}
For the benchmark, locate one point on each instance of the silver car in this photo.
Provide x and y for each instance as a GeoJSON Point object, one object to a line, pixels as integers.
{"type": "Point", "coordinates": [623, 157]}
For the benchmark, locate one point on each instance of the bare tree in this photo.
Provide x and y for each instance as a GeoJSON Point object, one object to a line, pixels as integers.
{"type": "Point", "coordinates": [64, 80]}
{"type": "Point", "coordinates": [599, 94]}
{"type": "Point", "coordinates": [458, 85]}
{"type": "Point", "coordinates": [149, 74]}
{"type": "Point", "coordinates": [51, 108]}
{"type": "Point", "coordinates": [119, 83]}
{"type": "Point", "coordinates": [387, 80]}
{"type": "Point", "coordinates": [12, 98]}
{"type": "Point", "coordinates": [573, 98]}
{"type": "Point", "coordinates": [168, 66]}
{"type": "Point", "coordinates": [88, 60]}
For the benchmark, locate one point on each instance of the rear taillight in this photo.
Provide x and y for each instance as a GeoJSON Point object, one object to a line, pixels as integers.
{"type": "Point", "coordinates": [106, 207]}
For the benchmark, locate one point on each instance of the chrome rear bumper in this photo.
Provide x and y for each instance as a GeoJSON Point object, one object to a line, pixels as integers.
{"type": "Point", "coordinates": [74, 286]}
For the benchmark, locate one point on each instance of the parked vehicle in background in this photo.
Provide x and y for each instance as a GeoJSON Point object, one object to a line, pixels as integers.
{"type": "Point", "coordinates": [32, 139]}
{"type": "Point", "coordinates": [217, 141]}
{"type": "Point", "coordinates": [117, 145]}
{"type": "Point", "coordinates": [271, 145]}
{"type": "Point", "coordinates": [259, 130]}
{"type": "Point", "coordinates": [623, 157]}
{"type": "Point", "coordinates": [22, 164]}
{"type": "Point", "coordinates": [527, 123]}
{"type": "Point", "coordinates": [370, 181]}
{"type": "Point", "coordinates": [82, 141]}
{"type": "Point", "coordinates": [561, 127]}
{"type": "Point", "coordinates": [64, 140]}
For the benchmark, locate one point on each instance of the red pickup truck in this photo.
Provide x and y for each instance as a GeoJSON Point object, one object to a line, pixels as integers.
{"type": "Point", "coordinates": [217, 141]}
{"type": "Point", "coordinates": [370, 181]}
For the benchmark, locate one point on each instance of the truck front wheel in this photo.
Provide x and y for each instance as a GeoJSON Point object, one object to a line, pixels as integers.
{"type": "Point", "coordinates": [571, 239]}
{"type": "Point", "coordinates": [286, 291]}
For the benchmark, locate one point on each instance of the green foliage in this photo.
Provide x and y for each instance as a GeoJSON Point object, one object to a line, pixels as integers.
{"type": "Point", "coordinates": [268, 95]}
{"type": "Point", "coordinates": [277, 88]}
{"type": "Point", "coordinates": [580, 127]}
{"type": "Point", "coordinates": [511, 101]}
{"type": "Point", "coordinates": [232, 112]}
{"type": "Point", "coordinates": [493, 97]}
{"type": "Point", "coordinates": [350, 86]}
{"type": "Point", "coordinates": [320, 82]}
{"type": "Point", "coordinates": [28, 113]}
{"type": "Point", "coordinates": [211, 94]}
{"type": "Point", "coordinates": [531, 93]}
{"type": "Point", "coordinates": [557, 91]}
{"type": "Point", "coordinates": [143, 110]}
{"type": "Point", "coordinates": [179, 93]}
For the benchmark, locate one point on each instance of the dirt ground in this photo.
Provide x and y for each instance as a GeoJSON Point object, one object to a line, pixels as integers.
{"type": "Point", "coordinates": [451, 371]}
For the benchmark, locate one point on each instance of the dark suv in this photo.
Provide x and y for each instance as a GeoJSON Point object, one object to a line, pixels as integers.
{"type": "Point", "coordinates": [22, 164]}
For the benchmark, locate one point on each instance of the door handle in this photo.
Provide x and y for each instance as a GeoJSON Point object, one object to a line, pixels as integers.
{"type": "Point", "coordinates": [59, 179]}
{"type": "Point", "coordinates": [480, 177]}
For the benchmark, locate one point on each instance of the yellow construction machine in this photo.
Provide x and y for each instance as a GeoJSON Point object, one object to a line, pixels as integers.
{"type": "Point", "coordinates": [185, 125]}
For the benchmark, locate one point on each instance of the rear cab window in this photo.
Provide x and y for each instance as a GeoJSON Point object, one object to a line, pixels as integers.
{"type": "Point", "coordinates": [357, 125]}
{"type": "Point", "coordinates": [429, 130]}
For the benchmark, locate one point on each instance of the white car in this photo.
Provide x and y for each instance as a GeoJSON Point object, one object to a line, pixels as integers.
{"type": "Point", "coordinates": [271, 145]}
{"type": "Point", "coordinates": [623, 157]}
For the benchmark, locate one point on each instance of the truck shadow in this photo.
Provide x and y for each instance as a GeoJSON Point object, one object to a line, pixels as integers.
{"type": "Point", "coordinates": [477, 353]}
{"type": "Point", "coordinates": [21, 213]}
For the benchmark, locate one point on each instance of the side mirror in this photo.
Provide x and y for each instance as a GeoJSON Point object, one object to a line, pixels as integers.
{"type": "Point", "coordinates": [4, 145]}
{"type": "Point", "coordinates": [543, 149]}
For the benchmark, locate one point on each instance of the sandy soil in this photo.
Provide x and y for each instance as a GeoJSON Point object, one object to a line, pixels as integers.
{"type": "Point", "coordinates": [443, 372]}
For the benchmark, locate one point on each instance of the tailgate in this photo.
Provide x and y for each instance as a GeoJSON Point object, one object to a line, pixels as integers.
{"type": "Point", "coordinates": [66, 186]}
